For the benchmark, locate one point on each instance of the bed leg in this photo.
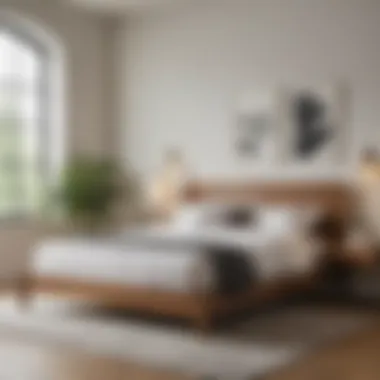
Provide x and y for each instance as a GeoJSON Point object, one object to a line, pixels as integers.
{"type": "Point", "coordinates": [205, 324]}
{"type": "Point", "coordinates": [24, 292]}
{"type": "Point", "coordinates": [204, 321]}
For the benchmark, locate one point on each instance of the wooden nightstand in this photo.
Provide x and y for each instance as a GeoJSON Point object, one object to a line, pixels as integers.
{"type": "Point", "coordinates": [360, 249]}
{"type": "Point", "coordinates": [363, 257]}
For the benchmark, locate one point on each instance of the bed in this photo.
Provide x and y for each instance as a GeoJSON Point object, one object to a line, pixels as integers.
{"type": "Point", "coordinates": [196, 274]}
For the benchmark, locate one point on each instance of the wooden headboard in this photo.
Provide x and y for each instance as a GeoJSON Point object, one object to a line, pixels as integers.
{"type": "Point", "coordinates": [334, 197]}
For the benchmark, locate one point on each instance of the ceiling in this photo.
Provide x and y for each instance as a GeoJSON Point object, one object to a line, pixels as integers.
{"type": "Point", "coordinates": [123, 5]}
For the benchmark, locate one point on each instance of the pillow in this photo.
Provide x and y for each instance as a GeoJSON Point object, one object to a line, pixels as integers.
{"type": "Point", "coordinates": [309, 216]}
{"type": "Point", "coordinates": [215, 215]}
{"type": "Point", "coordinates": [197, 215]}
{"type": "Point", "coordinates": [232, 215]}
{"type": "Point", "coordinates": [239, 217]}
{"type": "Point", "coordinates": [188, 217]}
{"type": "Point", "coordinates": [277, 220]}
{"type": "Point", "coordinates": [286, 219]}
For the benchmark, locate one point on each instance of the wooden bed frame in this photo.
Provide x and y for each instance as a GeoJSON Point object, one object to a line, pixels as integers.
{"type": "Point", "coordinates": [204, 309]}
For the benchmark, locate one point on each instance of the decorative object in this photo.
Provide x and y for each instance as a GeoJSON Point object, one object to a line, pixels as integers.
{"type": "Point", "coordinates": [369, 193]}
{"type": "Point", "coordinates": [316, 124]}
{"type": "Point", "coordinates": [252, 133]}
{"type": "Point", "coordinates": [90, 187]}
{"type": "Point", "coordinates": [370, 163]}
{"type": "Point", "coordinates": [166, 190]}
{"type": "Point", "coordinates": [254, 128]}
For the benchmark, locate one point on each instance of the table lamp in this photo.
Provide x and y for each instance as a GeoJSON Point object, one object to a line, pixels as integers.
{"type": "Point", "coordinates": [167, 186]}
{"type": "Point", "coordinates": [369, 192]}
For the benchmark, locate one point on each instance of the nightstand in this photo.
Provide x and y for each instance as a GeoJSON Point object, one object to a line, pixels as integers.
{"type": "Point", "coordinates": [362, 257]}
{"type": "Point", "coordinates": [360, 249]}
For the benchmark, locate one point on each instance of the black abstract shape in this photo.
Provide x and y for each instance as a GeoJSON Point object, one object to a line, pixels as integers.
{"type": "Point", "coordinates": [313, 130]}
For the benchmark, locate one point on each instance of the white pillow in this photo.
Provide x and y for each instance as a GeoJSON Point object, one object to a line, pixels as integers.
{"type": "Point", "coordinates": [208, 214]}
{"type": "Point", "coordinates": [288, 219]}
{"type": "Point", "coordinates": [277, 220]}
{"type": "Point", "coordinates": [225, 215]}
{"type": "Point", "coordinates": [188, 217]}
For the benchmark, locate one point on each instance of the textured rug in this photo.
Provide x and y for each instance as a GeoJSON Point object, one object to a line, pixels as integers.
{"type": "Point", "coordinates": [259, 346]}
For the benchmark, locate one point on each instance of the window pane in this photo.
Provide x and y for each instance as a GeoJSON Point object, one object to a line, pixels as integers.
{"type": "Point", "coordinates": [20, 127]}
{"type": "Point", "coordinates": [18, 61]}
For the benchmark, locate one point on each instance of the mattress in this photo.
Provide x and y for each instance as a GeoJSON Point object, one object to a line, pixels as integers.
{"type": "Point", "coordinates": [113, 263]}
{"type": "Point", "coordinates": [141, 258]}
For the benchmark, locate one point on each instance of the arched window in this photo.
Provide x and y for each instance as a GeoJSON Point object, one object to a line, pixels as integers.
{"type": "Point", "coordinates": [28, 132]}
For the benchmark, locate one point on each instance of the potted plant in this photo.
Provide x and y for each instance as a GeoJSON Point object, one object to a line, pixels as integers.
{"type": "Point", "coordinates": [89, 189]}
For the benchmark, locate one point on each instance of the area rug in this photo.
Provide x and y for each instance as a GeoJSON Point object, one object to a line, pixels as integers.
{"type": "Point", "coordinates": [259, 346]}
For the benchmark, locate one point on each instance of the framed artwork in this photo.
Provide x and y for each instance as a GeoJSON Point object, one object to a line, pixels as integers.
{"type": "Point", "coordinates": [253, 132]}
{"type": "Point", "coordinates": [296, 125]}
{"type": "Point", "coordinates": [315, 124]}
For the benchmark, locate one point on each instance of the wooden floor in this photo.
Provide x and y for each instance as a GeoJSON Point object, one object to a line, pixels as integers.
{"type": "Point", "coordinates": [358, 358]}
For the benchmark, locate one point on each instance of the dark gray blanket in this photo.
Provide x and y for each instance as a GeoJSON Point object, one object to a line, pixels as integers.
{"type": "Point", "coordinates": [234, 273]}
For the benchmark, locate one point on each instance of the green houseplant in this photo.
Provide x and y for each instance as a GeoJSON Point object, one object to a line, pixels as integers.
{"type": "Point", "coordinates": [90, 187]}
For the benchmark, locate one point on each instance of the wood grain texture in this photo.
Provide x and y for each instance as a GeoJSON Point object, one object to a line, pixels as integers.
{"type": "Point", "coordinates": [199, 309]}
{"type": "Point", "coordinates": [355, 358]}
{"type": "Point", "coordinates": [143, 299]}
{"type": "Point", "coordinates": [335, 197]}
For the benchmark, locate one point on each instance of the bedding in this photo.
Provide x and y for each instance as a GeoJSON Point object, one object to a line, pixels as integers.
{"type": "Point", "coordinates": [111, 262]}
{"type": "Point", "coordinates": [223, 260]}
{"type": "Point", "coordinates": [213, 214]}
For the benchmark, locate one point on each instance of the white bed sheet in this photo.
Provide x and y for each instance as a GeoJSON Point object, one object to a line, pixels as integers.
{"type": "Point", "coordinates": [116, 261]}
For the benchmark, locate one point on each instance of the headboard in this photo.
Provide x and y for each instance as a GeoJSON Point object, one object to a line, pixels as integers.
{"type": "Point", "coordinates": [334, 197]}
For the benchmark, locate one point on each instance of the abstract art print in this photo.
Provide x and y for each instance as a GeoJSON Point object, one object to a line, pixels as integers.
{"type": "Point", "coordinates": [252, 134]}
{"type": "Point", "coordinates": [316, 121]}
{"type": "Point", "coordinates": [314, 126]}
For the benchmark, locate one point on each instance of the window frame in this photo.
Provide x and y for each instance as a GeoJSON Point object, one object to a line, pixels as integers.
{"type": "Point", "coordinates": [50, 89]}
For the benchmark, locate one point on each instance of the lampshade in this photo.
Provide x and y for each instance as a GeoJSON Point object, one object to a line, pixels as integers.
{"type": "Point", "coordinates": [369, 191]}
{"type": "Point", "coordinates": [370, 165]}
{"type": "Point", "coordinates": [166, 188]}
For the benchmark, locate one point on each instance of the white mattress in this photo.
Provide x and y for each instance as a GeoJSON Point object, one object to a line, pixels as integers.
{"type": "Point", "coordinates": [112, 263]}
{"type": "Point", "coordinates": [117, 261]}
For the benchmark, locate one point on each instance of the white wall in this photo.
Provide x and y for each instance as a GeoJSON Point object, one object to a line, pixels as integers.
{"type": "Point", "coordinates": [86, 40]}
{"type": "Point", "coordinates": [186, 69]}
